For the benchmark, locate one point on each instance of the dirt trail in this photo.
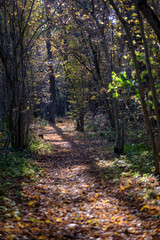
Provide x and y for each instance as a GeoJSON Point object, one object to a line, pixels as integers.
{"type": "Point", "coordinates": [72, 200]}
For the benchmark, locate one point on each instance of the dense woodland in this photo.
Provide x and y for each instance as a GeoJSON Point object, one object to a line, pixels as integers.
{"type": "Point", "coordinates": [83, 59]}
{"type": "Point", "coordinates": [94, 64]}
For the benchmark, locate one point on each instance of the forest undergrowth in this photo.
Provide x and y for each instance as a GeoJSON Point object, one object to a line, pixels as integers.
{"type": "Point", "coordinates": [69, 185]}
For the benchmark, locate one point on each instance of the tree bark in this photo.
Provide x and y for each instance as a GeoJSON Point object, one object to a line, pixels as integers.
{"type": "Point", "coordinates": [141, 88]}
{"type": "Point", "coordinates": [50, 67]}
{"type": "Point", "coordinates": [149, 15]}
{"type": "Point", "coordinates": [119, 143]}
{"type": "Point", "coordinates": [52, 84]}
{"type": "Point", "coordinates": [150, 77]}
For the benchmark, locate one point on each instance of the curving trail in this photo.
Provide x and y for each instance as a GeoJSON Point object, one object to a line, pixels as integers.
{"type": "Point", "coordinates": [72, 200]}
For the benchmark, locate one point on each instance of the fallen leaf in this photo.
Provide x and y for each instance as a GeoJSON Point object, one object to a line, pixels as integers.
{"type": "Point", "coordinates": [122, 188]}
{"type": "Point", "coordinates": [145, 206]}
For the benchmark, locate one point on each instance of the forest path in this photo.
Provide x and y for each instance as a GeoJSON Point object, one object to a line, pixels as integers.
{"type": "Point", "coordinates": [72, 200]}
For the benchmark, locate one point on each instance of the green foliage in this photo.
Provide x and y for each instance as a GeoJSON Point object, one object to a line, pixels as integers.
{"type": "Point", "coordinates": [137, 161]}
{"type": "Point", "coordinates": [19, 164]}
{"type": "Point", "coordinates": [136, 135]}
{"type": "Point", "coordinates": [130, 149]}
{"type": "Point", "coordinates": [4, 132]}
{"type": "Point", "coordinates": [39, 146]}
{"type": "Point", "coordinates": [38, 122]}
{"type": "Point", "coordinates": [140, 57]}
{"type": "Point", "coordinates": [121, 81]}
{"type": "Point", "coordinates": [140, 157]}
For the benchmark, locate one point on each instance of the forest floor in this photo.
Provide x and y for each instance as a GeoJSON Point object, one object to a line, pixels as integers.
{"type": "Point", "coordinates": [77, 196]}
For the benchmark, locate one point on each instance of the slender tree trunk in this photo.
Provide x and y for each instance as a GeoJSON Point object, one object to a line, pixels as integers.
{"type": "Point", "coordinates": [118, 146]}
{"type": "Point", "coordinates": [52, 84]}
{"type": "Point", "coordinates": [50, 67]}
{"type": "Point", "coordinates": [80, 122]}
{"type": "Point", "coordinates": [141, 88]}
{"type": "Point", "coordinates": [150, 77]}
{"type": "Point", "coordinates": [119, 133]}
{"type": "Point", "coordinates": [150, 15]}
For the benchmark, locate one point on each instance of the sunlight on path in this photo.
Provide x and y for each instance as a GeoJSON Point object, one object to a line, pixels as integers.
{"type": "Point", "coordinates": [79, 203]}
{"type": "Point", "coordinates": [72, 200]}
{"type": "Point", "coordinates": [52, 136]}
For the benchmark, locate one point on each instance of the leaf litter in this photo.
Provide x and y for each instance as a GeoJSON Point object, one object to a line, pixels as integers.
{"type": "Point", "coordinates": [72, 198]}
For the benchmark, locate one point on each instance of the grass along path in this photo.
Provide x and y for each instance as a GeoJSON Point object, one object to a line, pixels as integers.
{"type": "Point", "coordinates": [78, 197]}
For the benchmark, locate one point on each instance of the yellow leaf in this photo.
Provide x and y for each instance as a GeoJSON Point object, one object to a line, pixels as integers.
{"type": "Point", "coordinates": [59, 219]}
{"type": "Point", "coordinates": [125, 57]}
{"type": "Point", "coordinates": [93, 98]}
{"type": "Point", "coordinates": [41, 237]}
{"type": "Point", "coordinates": [11, 237]}
{"type": "Point", "coordinates": [20, 225]}
{"type": "Point", "coordinates": [31, 203]}
{"type": "Point", "coordinates": [139, 198]}
{"type": "Point", "coordinates": [106, 227]}
{"type": "Point", "coordinates": [122, 188]}
{"type": "Point", "coordinates": [95, 219]}
{"type": "Point", "coordinates": [117, 234]}
{"type": "Point", "coordinates": [97, 195]}
{"type": "Point", "coordinates": [157, 229]}
{"type": "Point", "coordinates": [145, 206]}
{"type": "Point", "coordinates": [101, 22]}
{"type": "Point", "coordinates": [119, 34]}
{"type": "Point", "coordinates": [132, 7]}
{"type": "Point", "coordinates": [143, 236]}
{"type": "Point", "coordinates": [91, 199]}
{"type": "Point", "coordinates": [48, 221]}
{"type": "Point", "coordinates": [134, 15]}
{"type": "Point", "coordinates": [35, 230]}
{"type": "Point", "coordinates": [90, 221]}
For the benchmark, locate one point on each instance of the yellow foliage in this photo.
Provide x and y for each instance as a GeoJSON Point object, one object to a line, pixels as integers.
{"type": "Point", "coordinates": [31, 203]}
{"type": "Point", "coordinates": [106, 227]}
{"type": "Point", "coordinates": [119, 34]}
{"type": "Point", "coordinates": [145, 206]}
{"type": "Point", "coordinates": [58, 219]}
{"type": "Point", "coordinates": [41, 237]}
{"type": "Point", "coordinates": [122, 188]}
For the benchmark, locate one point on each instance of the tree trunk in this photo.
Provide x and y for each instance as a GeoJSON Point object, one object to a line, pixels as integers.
{"type": "Point", "coordinates": [150, 15]}
{"type": "Point", "coordinates": [52, 84]}
{"type": "Point", "coordinates": [118, 138]}
{"type": "Point", "coordinates": [150, 77]}
{"type": "Point", "coordinates": [50, 67]}
{"type": "Point", "coordinates": [141, 89]}
{"type": "Point", "coordinates": [119, 130]}
{"type": "Point", "coordinates": [80, 122]}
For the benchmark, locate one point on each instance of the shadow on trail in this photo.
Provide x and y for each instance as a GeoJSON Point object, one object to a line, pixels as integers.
{"type": "Point", "coordinates": [82, 151]}
{"type": "Point", "coordinates": [78, 147]}
{"type": "Point", "coordinates": [72, 200]}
